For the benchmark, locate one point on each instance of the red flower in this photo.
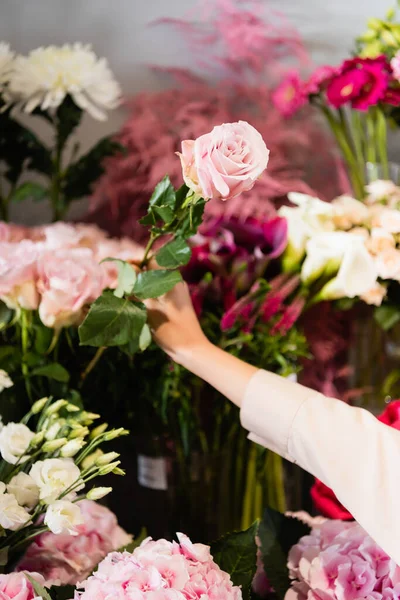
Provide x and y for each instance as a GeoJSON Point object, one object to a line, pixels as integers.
{"type": "Point", "coordinates": [361, 81]}
{"type": "Point", "coordinates": [324, 498]}
{"type": "Point", "coordinates": [392, 96]}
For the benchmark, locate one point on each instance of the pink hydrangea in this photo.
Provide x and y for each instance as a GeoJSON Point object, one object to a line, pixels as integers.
{"type": "Point", "coordinates": [15, 586]}
{"type": "Point", "coordinates": [339, 561]}
{"type": "Point", "coordinates": [66, 559]}
{"type": "Point", "coordinates": [160, 570]}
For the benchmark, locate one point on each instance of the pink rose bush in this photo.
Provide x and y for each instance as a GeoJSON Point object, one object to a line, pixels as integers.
{"type": "Point", "coordinates": [66, 559]}
{"type": "Point", "coordinates": [16, 586]}
{"type": "Point", "coordinates": [160, 570]}
{"type": "Point", "coordinates": [225, 162]}
{"type": "Point", "coordinates": [339, 561]}
{"type": "Point", "coordinates": [56, 269]}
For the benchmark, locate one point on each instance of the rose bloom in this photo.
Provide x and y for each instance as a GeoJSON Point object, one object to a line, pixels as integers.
{"type": "Point", "coordinates": [65, 559]}
{"type": "Point", "coordinates": [68, 279]}
{"type": "Point", "coordinates": [15, 586]}
{"type": "Point", "coordinates": [225, 162]}
{"type": "Point", "coordinates": [160, 570]}
{"type": "Point", "coordinates": [18, 274]}
{"type": "Point", "coordinates": [361, 81]}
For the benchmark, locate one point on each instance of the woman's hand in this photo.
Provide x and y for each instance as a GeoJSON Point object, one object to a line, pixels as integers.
{"type": "Point", "coordinates": [174, 324]}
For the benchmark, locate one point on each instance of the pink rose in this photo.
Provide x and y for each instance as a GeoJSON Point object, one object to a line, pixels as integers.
{"type": "Point", "coordinates": [15, 586]}
{"type": "Point", "coordinates": [12, 233]}
{"type": "Point", "coordinates": [68, 279]}
{"type": "Point", "coordinates": [18, 274]}
{"type": "Point", "coordinates": [66, 559]}
{"type": "Point", "coordinates": [225, 162]}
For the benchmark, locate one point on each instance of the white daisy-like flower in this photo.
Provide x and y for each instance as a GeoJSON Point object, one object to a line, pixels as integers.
{"type": "Point", "coordinates": [5, 380]}
{"type": "Point", "coordinates": [47, 75]}
{"type": "Point", "coordinates": [6, 63]}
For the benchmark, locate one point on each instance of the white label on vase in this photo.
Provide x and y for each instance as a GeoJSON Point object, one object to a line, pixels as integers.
{"type": "Point", "coordinates": [152, 472]}
{"type": "Point", "coordinates": [292, 377]}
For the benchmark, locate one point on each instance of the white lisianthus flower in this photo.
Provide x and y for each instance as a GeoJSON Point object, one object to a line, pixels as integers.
{"type": "Point", "coordinates": [24, 489]}
{"type": "Point", "coordinates": [325, 251]}
{"type": "Point", "coordinates": [14, 442]}
{"type": "Point", "coordinates": [381, 190]}
{"type": "Point", "coordinates": [54, 476]}
{"type": "Point", "coordinates": [357, 275]}
{"type": "Point", "coordinates": [63, 517]}
{"type": "Point", "coordinates": [12, 515]}
{"type": "Point", "coordinates": [375, 295]}
{"type": "Point", "coordinates": [310, 217]}
{"type": "Point", "coordinates": [348, 211]}
{"type": "Point", "coordinates": [5, 380]}
{"type": "Point", "coordinates": [6, 63]}
{"type": "Point", "coordinates": [47, 75]}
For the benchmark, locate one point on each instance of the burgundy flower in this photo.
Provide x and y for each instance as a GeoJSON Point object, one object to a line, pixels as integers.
{"type": "Point", "coordinates": [361, 81]}
{"type": "Point", "coordinates": [392, 96]}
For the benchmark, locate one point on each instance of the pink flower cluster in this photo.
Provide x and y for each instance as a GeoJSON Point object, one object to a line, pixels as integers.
{"type": "Point", "coordinates": [15, 586]}
{"type": "Point", "coordinates": [56, 269]}
{"type": "Point", "coordinates": [160, 570]}
{"type": "Point", "coordinates": [339, 561]}
{"type": "Point", "coordinates": [66, 559]}
{"type": "Point", "coordinates": [228, 257]}
{"type": "Point", "coordinates": [360, 82]}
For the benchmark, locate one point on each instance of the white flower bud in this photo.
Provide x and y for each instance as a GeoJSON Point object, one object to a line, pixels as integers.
{"type": "Point", "coordinates": [54, 445]}
{"type": "Point", "coordinates": [114, 433]}
{"type": "Point", "coordinates": [79, 432]}
{"type": "Point", "coordinates": [98, 430]}
{"type": "Point", "coordinates": [37, 439]}
{"type": "Point", "coordinates": [72, 447]}
{"type": "Point", "coordinates": [105, 459]}
{"type": "Point", "coordinates": [109, 468]}
{"type": "Point", "coordinates": [90, 460]}
{"type": "Point", "coordinates": [72, 408]}
{"type": "Point", "coordinates": [53, 431]}
{"type": "Point", "coordinates": [56, 407]}
{"type": "Point", "coordinates": [39, 405]}
{"type": "Point", "coordinates": [98, 493]}
{"type": "Point", "coordinates": [5, 380]}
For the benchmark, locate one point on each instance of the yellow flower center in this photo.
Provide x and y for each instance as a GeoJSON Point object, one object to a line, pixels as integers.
{"type": "Point", "coordinates": [346, 91]}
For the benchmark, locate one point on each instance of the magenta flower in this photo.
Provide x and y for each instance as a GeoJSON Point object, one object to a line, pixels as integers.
{"type": "Point", "coordinates": [319, 79]}
{"type": "Point", "coordinates": [362, 82]}
{"type": "Point", "coordinates": [290, 95]}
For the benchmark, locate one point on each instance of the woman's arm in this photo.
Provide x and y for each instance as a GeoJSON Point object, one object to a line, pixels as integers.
{"type": "Point", "coordinates": [346, 448]}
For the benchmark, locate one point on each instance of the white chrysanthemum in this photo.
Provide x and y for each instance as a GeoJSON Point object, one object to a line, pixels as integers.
{"type": "Point", "coordinates": [6, 63]}
{"type": "Point", "coordinates": [5, 380]}
{"type": "Point", "coordinates": [47, 75]}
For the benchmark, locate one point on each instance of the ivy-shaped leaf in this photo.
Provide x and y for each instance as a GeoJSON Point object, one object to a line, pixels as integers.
{"type": "Point", "coordinates": [152, 284]}
{"type": "Point", "coordinates": [52, 371]}
{"type": "Point", "coordinates": [236, 553]}
{"type": "Point", "coordinates": [175, 253]}
{"type": "Point", "coordinates": [112, 321]}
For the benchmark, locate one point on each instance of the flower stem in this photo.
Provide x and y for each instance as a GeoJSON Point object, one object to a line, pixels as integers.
{"type": "Point", "coordinates": [99, 353]}
{"type": "Point", "coordinates": [25, 347]}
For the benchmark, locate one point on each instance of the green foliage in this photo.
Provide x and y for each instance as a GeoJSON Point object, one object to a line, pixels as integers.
{"type": "Point", "coordinates": [236, 553]}
{"type": "Point", "coordinates": [82, 174]}
{"type": "Point", "coordinates": [152, 284]}
{"type": "Point", "coordinates": [32, 190]}
{"type": "Point", "coordinates": [112, 321]}
{"type": "Point", "coordinates": [5, 315]}
{"type": "Point", "coordinates": [126, 277]}
{"type": "Point", "coordinates": [277, 534]}
{"type": "Point", "coordinates": [387, 316]}
{"type": "Point", "coordinates": [174, 254]}
{"type": "Point", "coordinates": [52, 371]}
{"type": "Point", "coordinates": [38, 588]}
{"type": "Point", "coordinates": [162, 203]}
{"type": "Point", "coordinates": [68, 117]}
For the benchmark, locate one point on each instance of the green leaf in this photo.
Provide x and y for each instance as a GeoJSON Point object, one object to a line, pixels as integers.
{"type": "Point", "coordinates": [4, 556]}
{"type": "Point", "coordinates": [5, 315]}
{"type": "Point", "coordinates": [126, 277]}
{"type": "Point", "coordinates": [39, 589]}
{"type": "Point", "coordinates": [175, 253]}
{"type": "Point", "coordinates": [152, 284]}
{"type": "Point", "coordinates": [181, 195]}
{"type": "Point", "coordinates": [52, 371]}
{"type": "Point", "coordinates": [236, 553]}
{"type": "Point", "coordinates": [84, 172]}
{"type": "Point", "coordinates": [112, 321]}
{"type": "Point", "coordinates": [145, 338]}
{"type": "Point", "coordinates": [135, 543]}
{"type": "Point", "coordinates": [387, 316]}
{"type": "Point", "coordinates": [32, 190]}
{"type": "Point", "coordinates": [161, 204]}
{"type": "Point", "coordinates": [68, 117]}
{"type": "Point", "coordinates": [277, 534]}
{"type": "Point", "coordinates": [192, 220]}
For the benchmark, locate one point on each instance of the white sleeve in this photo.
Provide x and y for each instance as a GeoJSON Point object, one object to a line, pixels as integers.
{"type": "Point", "coordinates": [347, 448]}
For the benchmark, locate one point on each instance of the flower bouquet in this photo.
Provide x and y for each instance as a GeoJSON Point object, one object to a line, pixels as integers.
{"type": "Point", "coordinates": [47, 460]}
{"type": "Point", "coordinates": [56, 84]}
{"type": "Point", "coordinates": [358, 98]}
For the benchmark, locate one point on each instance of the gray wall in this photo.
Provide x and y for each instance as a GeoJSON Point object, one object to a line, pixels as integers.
{"type": "Point", "coordinates": [118, 30]}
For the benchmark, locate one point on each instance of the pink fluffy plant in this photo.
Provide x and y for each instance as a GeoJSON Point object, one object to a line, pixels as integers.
{"type": "Point", "coordinates": [66, 559]}
{"type": "Point", "coordinates": [160, 570]}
